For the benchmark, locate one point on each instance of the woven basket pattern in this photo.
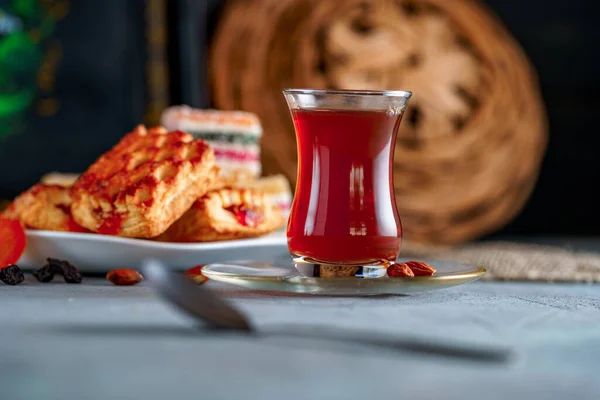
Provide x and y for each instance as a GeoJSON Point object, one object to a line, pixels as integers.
{"type": "Point", "coordinates": [473, 137]}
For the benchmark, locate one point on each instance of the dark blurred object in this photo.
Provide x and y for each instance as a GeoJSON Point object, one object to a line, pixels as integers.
{"type": "Point", "coordinates": [562, 38]}
{"type": "Point", "coordinates": [189, 40]}
{"type": "Point", "coordinates": [469, 149]}
{"type": "Point", "coordinates": [25, 26]}
{"type": "Point", "coordinates": [92, 83]}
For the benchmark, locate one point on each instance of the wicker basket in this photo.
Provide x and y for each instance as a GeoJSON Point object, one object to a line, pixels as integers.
{"type": "Point", "coordinates": [471, 144]}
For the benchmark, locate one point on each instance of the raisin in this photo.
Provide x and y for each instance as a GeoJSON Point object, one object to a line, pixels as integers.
{"type": "Point", "coordinates": [11, 275]}
{"type": "Point", "coordinates": [44, 274]}
{"type": "Point", "coordinates": [69, 272]}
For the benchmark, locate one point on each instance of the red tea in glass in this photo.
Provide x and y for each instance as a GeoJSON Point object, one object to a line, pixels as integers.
{"type": "Point", "coordinates": [344, 210]}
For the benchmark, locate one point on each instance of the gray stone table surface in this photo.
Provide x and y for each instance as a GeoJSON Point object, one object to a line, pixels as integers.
{"type": "Point", "coordinates": [98, 341]}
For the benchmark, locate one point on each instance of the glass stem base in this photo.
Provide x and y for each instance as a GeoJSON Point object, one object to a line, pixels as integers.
{"type": "Point", "coordinates": [317, 269]}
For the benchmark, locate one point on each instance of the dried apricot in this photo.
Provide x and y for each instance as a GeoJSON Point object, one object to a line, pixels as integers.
{"type": "Point", "coordinates": [400, 270]}
{"type": "Point", "coordinates": [419, 268]}
{"type": "Point", "coordinates": [195, 273]}
{"type": "Point", "coordinates": [124, 277]}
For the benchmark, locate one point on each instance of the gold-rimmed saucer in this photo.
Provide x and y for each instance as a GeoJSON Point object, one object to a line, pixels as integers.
{"type": "Point", "coordinates": [281, 276]}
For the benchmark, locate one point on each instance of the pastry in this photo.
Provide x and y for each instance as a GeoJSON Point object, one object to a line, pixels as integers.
{"type": "Point", "coordinates": [225, 214]}
{"type": "Point", "coordinates": [44, 207]}
{"type": "Point", "coordinates": [277, 188]}
{"type": "Point", "coordinates": [234, 136]}
{"type": "Point", "coordinates": [144, 183]}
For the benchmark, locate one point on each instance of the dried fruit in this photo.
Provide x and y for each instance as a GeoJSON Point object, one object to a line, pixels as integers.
{"type": "Point", "coordinates": [12, 241]}
{"type": "Point", "coordinates": [400, 270]}
{"type": "Point", "coordinates": [69, 272]}
{"type": "Point", "coordinates": [124, 277]}
{"type": "Point", "coordinates": [44, 274]}
{"type": "Point", "coordinates": [419, 268]}
{"type": "Point", "coordinates": [11, 275]}
{"type": "Point", "coordinates": [195, 273]}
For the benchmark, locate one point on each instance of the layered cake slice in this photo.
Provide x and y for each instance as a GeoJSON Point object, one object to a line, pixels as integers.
{"type": "Point", "coordinates": [233, 135]}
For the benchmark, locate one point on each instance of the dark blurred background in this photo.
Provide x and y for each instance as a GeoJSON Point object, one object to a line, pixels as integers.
{"type": "Point", "coordinates": [108, 65]}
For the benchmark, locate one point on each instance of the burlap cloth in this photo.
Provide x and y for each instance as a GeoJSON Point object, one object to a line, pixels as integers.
{"type": "Point", "coordinates": [516, 262]}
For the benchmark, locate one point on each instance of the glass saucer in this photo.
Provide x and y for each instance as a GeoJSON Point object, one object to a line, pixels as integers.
{"type": "Point", "coordinates": [281, 276]}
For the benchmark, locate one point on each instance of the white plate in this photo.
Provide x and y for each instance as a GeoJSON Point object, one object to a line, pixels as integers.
{"type": "Point", "coordinates": [101, 253]}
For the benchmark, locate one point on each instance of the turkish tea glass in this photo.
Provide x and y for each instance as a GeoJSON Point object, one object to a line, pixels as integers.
{"type": "Point", "coordinates": [344, 220]}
